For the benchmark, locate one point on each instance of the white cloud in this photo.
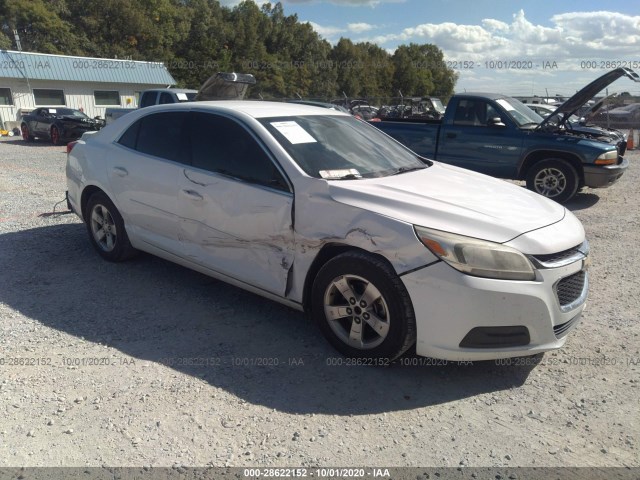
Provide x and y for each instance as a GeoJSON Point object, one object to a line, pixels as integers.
{"type": "Point", "coordinates": [326, 31]}
{"type": "Point", "coordinates": [582, 35]}
{"type": "Point", "coordinates": [360, 27]}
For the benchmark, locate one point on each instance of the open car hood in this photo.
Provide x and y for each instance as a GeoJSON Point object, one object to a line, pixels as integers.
{"type": "Point", "coordinates": [572, 105]}
{"type": "Point", "coordinates": [225, 86]}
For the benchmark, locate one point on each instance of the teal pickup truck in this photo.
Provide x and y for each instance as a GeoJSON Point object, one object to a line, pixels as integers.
{"type": "Point", "coordinates": [500, 136]}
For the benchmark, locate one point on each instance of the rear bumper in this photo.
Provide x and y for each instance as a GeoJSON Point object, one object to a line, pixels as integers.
{"type": "Point", "coordinates": [605, 175]}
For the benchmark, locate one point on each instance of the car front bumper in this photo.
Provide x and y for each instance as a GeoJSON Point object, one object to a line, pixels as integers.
{"type": "Point", "coordinates": [605, 175]}
{"type": "Point", "coordinates": [500, 318]}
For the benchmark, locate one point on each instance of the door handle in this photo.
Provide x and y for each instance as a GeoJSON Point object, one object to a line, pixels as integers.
{"type": "Point", "coordinates": [121, 172]}
{"type": "Point", "coordinates": [193, 195]}
{"type": "Point", "coordinates": [451, 135]}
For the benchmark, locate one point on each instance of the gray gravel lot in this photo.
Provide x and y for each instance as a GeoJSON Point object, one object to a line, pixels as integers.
{"type": "Point", "coordinates": [149, 364]}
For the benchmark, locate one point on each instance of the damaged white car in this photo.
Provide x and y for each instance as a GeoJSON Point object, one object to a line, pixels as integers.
{"type": "Point", "coordinates": [322, 212]}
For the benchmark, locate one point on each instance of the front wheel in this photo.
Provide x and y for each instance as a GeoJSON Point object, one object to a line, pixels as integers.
{"type": "Point", "coordinates": [363, 308]}
{"type": "Point", "coordinates": [106, 229]}
{"type": "Point", "coordinates": [554, 178]}
{"type": "Point", "coordinates": [26, 134]}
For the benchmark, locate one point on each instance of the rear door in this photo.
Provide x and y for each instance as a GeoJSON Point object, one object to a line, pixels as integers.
{"type": "Point", "coordinates": [471, 141]}
{"type": "Point", "coordinates": [144, 176]}
{"type": "Point", "coordinates": [235, 205]}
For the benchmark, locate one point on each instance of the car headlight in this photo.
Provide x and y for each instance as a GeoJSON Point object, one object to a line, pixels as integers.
{"type": "Point", "coordinates": [477, 257]}
{"type": "Point", "coordinates": [609, 158]}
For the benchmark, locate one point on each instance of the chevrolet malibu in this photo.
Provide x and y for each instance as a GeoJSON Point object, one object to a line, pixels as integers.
{"type": "Point", "coordinates": [326, 214]}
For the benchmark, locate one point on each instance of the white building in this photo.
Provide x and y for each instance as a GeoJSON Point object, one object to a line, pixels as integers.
{"type": "Point", "coordinates": [30, 80]}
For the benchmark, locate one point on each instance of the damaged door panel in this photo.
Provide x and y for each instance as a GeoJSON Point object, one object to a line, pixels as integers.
{"type": "Point", "coordinates": [237, 229]}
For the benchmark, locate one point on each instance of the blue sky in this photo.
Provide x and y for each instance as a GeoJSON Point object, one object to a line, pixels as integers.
{"type": "Point", "coordinates": [506, 44]}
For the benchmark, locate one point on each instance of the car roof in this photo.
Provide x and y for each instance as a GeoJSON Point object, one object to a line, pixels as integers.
{"type": "Point", "coordinates": [491, 96]}
{"type": "Point", "coordinates": [260, 109]}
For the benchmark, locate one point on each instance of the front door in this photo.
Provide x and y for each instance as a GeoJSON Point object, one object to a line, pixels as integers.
{"type": "Point", "coordinates": [235, 205]}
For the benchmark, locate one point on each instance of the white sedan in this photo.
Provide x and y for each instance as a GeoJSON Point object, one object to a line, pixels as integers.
{"type": "Point", "coordinates": [322, 212]}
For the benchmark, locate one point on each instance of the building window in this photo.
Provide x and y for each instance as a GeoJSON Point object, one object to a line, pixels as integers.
{"type": "Point", "coordinates": [48, 97]}
{"type": "Point", "coordinates": [106, 97]}
{"type": "Point", "coordinates": [5, 96]}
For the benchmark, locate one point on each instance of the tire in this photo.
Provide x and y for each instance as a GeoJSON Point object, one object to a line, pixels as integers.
{"type": "Point", "coordinates": [553, 178]}
{"type": "Point", "coordinates": [26, 134]}
{"type": "Point", "coordinates": [54, 135]}
{"type": "Point", "coordinates": [106, 229]}
{"type": "Point", "coordinates": [373, 318]}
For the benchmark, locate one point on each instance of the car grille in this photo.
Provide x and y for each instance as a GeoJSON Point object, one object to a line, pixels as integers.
{"type": "Point", "coordinates": [562, 330]}
{"type": "Point", "coordinates": [571, 288]}
{"type": "Point", "coordinates": [559, 257]}
{"type": "Point", "coordinates": [622, 148]}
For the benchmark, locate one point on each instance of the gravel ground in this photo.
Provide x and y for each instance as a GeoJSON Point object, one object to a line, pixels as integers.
{"type": "Point", "coordinates": [149, 364]}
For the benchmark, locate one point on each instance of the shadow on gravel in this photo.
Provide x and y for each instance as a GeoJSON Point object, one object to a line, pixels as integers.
{"type": "Point", "coordinates": [18, 142]}
{"type": "Point", "coordinates": [156, 311]}
{"type": "Point", "coordinates": [582, 201]}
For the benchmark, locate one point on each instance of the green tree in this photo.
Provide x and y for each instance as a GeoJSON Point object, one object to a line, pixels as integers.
{"type": "Point", "coordinates": [420, 71]}
{"type": "Point", "coordinates": [39, 25]}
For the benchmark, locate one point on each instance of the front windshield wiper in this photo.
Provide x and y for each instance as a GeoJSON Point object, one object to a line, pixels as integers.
{"type": "Point", "coordinates": [349, 176]}
{"type": "Point", "coordinates": [408, 169]}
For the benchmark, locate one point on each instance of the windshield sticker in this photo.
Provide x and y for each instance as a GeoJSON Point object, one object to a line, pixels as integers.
{"type": "Point", "coordinates": [329, 174]}
{"type": "Point", "coordinates": [182, 97]}
{"type": "Point", "coordinates": [53, 110]}
{"type": "Point", "coordinates": [293, 132]}
{"type": "Point", "coordinates": [506, 105]}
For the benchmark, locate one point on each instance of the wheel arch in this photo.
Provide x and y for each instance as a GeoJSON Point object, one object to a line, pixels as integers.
{"type": "Point", "coordinates": [539, 155]}
{"type": "Point", "coordinates": [88, 191]}
{"type": "Point", "coordinates": [327, 253]}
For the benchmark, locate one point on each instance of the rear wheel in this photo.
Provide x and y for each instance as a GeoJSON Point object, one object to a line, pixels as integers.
{"type": "Point", "coordinates": [55, 135]}
{"type": "Point", "coordinates": [362, 307]}
{"type": "Point", "coordinates": [553, 178]}
{"type": "Point", "coordinates": [106, 229]}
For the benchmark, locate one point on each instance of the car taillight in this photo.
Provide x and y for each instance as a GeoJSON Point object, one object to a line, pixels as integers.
{"type": "Point", "coordinates": [70, 146]}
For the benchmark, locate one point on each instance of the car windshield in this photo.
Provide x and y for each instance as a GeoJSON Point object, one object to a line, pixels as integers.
{"type": "Point", "coordinates": [521, 114]}
{"type": "Point", "coordinates": [69, 112]}
{"type": "Point", "coordinates": [340, 147]}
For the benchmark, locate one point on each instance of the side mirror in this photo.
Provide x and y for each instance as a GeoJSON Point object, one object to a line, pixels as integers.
{"type": "Point", "coordinates": [495, 122]}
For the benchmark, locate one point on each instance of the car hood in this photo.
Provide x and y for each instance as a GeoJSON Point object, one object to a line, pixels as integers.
{"type": "Point", "coordinates": [452, 199]}
{"type": "Point", "coordinates": [574, 103]}
{"type": "Point", "coordinates": [71, 118]}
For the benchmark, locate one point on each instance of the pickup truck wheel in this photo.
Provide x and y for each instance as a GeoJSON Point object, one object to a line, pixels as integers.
{"type": "Point", "coordinates": [553, 178]}
{"type": "Point", "coordinates": [106, 229]}
{"type": "Point", "coordinates": [362, 307]}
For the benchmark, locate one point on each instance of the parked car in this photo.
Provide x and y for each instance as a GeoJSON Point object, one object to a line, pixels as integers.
{"type": "Point", "coordinates": [498, 135]}
{"type": "Point", "coordinates": [59, 125]}
{"type": "Point", "coordinates": [220, 86]}
{"type": "Point", "coordinates": [324, 213]}
{"type": "Point", "coordinates": [583, 124]}
{"type": "Point", "coordinates": [627, 116]}
{"type": "Point", "coordinates": [430, 108]}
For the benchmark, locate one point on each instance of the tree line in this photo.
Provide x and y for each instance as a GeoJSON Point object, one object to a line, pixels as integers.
{"type": "Point", "coordinates": [196, 38]}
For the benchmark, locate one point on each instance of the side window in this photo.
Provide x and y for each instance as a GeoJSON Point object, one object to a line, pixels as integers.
{"type": "Point", "coordinates": [221, 145]}
{"type": "Point", "coordinates": [130, 136]}
{"type": "Point", "coordinates": [161, 135]}
{"type": "Point", "coordinates": [165, 98]}
{"type": "Point", "coordinates": [473, 112]}
{"type": "Point", "coordinates": [148, 99]}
